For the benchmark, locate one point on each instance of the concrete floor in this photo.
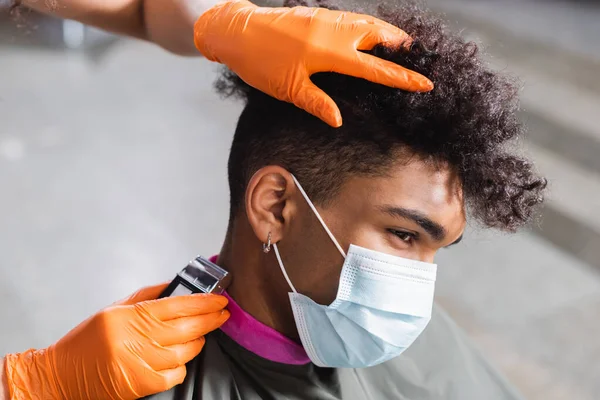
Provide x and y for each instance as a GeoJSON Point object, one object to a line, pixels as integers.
{"type": "Point", "coordinates": [112, 174]}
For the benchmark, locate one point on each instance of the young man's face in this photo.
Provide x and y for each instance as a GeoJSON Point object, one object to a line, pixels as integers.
{"type": "Point", "coordinates": [412, 212]}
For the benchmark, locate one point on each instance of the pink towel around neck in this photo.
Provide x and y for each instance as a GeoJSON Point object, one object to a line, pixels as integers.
{"type": "Point", "coordinates": [259, 338]}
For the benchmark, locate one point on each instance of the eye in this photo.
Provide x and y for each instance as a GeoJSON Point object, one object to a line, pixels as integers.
{"type": "Point", "coordinates": [406, 237]}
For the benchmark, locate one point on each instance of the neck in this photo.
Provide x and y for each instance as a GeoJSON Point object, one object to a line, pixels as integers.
{"type": "Point", "coordinates": [257, 286]}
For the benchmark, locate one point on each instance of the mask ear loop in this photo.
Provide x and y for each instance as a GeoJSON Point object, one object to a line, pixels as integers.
{"type": "Point", "coordinates": [285, 275]}
{"type": "Point", "coordinates": [333, 239]}
{"type": "Point", "coordinates": [312, 206]}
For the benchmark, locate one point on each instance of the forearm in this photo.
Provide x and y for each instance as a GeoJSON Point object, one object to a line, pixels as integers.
{"type": "Point", "coordinates": [3, 382]}
{"type": "Point", "coordinates": [168, 23]}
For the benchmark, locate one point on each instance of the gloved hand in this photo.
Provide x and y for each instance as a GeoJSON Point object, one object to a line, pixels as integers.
{"type": "Point", "coordinates": [276, 50]}
{"type": "Point", "coordinates": [129, 350]}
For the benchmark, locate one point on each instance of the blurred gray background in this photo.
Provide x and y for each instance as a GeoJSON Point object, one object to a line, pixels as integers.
{"type": "Point", "coordinates": [112, 174]}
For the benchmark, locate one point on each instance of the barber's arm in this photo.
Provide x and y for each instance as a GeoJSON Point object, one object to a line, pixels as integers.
{"type": "Point", "coordinates": [168, 23]}
{"type": "Point", "coordinates": [132, 349]}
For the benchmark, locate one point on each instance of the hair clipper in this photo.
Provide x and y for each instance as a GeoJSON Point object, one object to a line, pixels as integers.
{"type": "Point", "coordinates": [199, 276]}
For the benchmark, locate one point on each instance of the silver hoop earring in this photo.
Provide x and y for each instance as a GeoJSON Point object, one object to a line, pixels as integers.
{"type": "Point", "coordinates": [267, 246]}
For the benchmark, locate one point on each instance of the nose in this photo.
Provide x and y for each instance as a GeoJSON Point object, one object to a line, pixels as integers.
{"type": "Point", "coordinates": [427, 256]}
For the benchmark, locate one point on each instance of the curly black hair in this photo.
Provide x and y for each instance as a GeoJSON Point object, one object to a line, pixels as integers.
{"type": "Point", "coordinates": [468, 121]}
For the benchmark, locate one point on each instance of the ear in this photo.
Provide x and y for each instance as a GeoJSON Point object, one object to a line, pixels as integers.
{"type": "Point", "coordinates": [270, 202]}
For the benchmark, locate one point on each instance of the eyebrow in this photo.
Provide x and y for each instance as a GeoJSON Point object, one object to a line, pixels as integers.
{"type": "Point", "coordinates": [435, 230]}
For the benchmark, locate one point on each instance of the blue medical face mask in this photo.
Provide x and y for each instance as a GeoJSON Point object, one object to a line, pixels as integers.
{"type": "Point", "coordinates": [382, 305]}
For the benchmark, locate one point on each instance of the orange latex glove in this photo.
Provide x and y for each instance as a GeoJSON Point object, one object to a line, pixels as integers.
{"type": "Point", "coordinates": [129, 350]}
{"type": "Point", "coordinates": [276, 50]}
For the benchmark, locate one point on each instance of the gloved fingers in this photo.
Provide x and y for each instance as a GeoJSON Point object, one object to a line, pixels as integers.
{"type": "Point", "coordinates": [170, 308]}
{"type": "Point", "coordinates": [384, 72]}
{"type": "Point", "coordinates": [186, 329]}
{"type": "Point", "coordinates": [315, 101]}
{"type": "Point", "coordinates": [385, 34]}
{"type": "Point", "coordinates": [147, 293]}
{"type": "Point", "coordinates": [163, 380]}
{"type": "Point", "coordinates": [161, 358]}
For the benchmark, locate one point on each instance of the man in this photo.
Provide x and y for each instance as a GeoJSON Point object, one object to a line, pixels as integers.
{"type": "Point", "coordinates": [274, 50]}
{"type": "Point", "coordinates": [352, 218]}
{"type": "Point", "coordinates": [333, 232]}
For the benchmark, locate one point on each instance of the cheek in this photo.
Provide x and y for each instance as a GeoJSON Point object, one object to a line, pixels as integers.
{"type": "Point", "coordinates": [373, 237]}
{"type": "Point", "coordinates": [359, 229]}
{"type": "Point", "coordinates": [357, 223]}
{"type": "Point", "coordinates": [312, 261]}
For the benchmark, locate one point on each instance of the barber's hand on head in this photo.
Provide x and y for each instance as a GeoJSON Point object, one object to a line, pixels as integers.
{"type": "Point", "coordinates": [276, 50]}
{"type": "Point", "coordinates": [134, 348]}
